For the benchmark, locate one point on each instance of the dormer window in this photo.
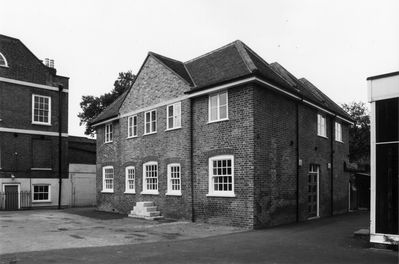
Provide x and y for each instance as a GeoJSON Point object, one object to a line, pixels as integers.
{"type": "Point", "coordinates": [3, 61]}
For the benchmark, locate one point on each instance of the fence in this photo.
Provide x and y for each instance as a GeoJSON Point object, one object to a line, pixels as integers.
{"type": "Point", "coordinates": [14, 200]}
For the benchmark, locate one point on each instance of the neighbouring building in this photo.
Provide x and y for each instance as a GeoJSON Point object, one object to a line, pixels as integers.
{"type": "Point", "coordinates": [384, 202]}
{"type": "Point", "coordinates": [223, 138]}
{"type": "Point", "coordinates": [33, 123]}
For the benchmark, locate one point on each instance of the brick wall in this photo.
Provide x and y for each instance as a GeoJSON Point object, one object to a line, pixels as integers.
{"type": "Point", "coordinates": [154, 84]}
{"type": "Point", "coordinates": [235, 137]}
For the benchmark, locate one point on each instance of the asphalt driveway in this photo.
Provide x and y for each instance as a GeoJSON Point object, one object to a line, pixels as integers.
{"type": "Point", "coordinates": [38, 230]}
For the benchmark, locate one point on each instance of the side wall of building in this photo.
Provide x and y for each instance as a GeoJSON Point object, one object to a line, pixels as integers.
{"type": "Point", "coordinates": [234, 136]}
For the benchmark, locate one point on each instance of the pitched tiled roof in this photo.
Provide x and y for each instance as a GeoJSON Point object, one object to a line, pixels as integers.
{"type": "Point", "coordinates": [177, 66]}
{"type": "Point", "coordinates": [232, 62]}
{"type": "Point", "coordinates": [111, 111]}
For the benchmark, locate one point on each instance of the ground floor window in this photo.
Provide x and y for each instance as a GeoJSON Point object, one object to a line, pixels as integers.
{"type": "Point", "coordinates": [174, 179]}
{"type": "Point", "coordinates": [221, 176]}
{"type": "Point", "coordinates": [41, 193]}
{"type": "Point", "coordinates": [150, 177]}
{"type": "Point", "coordinates": [108, 179]}
{"type": "Point", "coordinates": [130, 176]}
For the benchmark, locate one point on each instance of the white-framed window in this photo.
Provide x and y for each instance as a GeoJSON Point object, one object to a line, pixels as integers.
{"type": "Point", "coordinates": [130, 174]}
{"type": "Point", "coordinates": [338, 132]}
{"type": "Point", "coordinates": [41, 109]}
{"type": "Point", "coordinates": [108, 179]}
{"type": "Point", "coordinates": [3, 61]}
{"type": "Point", "coordinates": [108, 133]}
{"type": "Point", "coordinates": [221, 176]}
{"type": "Point", "coordinates": [173, 116]}
{"type": "Point", "coordinates": [132, 126]}
{"type": "Point", "coordinates": [218, 107]}
{"type": "Point", "coordinates": [321, 125]}
{"type": "Point", "coordinates": [174, 179]}
{"type": "Point", "coordinates": [41, 193]}
{"type": "Point", "coordinates": [150, 178]}
{"type": "Point", "coordinates": [150, 120]}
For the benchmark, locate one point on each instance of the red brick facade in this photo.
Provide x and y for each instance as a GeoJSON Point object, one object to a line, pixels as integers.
{"type": "Point", "coordinates": [267, 133]}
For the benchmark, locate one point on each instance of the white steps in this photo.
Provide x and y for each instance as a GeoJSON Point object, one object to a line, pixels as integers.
{"type": "Point", "coordinates": [145, 210]}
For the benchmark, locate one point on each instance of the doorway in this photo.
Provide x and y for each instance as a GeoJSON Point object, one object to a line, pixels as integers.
{"type": "Point", "coordinates": [313, 190]}
{"type": "Point", "coordinates": [11, 192]}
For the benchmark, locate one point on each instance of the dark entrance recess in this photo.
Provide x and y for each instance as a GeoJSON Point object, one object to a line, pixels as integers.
{"type": "Point", "coordinates": [11, 197]}
{"type": "Point", "coordinates": [387, 163]}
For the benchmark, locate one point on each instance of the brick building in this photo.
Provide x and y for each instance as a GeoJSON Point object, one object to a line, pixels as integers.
{"type": "Point", "coordinates": [33, 105]}
{"type": "Point", "coordinates": [223, 138]}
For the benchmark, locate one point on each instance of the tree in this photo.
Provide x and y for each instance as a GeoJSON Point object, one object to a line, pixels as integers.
{"type": "Point", "coordinates": [359, 133]}
{"type": "Point", "coordinates": [92, 106]}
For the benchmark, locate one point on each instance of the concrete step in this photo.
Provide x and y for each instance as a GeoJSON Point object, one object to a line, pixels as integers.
{"type": "Point", "coordinates": [145, 204]}
{"type": "Point", "coordinates": [145, 210]}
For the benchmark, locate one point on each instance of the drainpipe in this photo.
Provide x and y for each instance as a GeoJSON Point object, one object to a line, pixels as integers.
{"type": "Point", "coordinates": [297, 159]}
{"type": "Point", "coordinates": [332, 164]}
{"type": "Point", "coordinates": [192, 161]}
{"type": "Point", "coordinates": [60, 87]}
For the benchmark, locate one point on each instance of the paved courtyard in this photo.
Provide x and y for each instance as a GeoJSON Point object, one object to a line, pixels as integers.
{"type": "Point", "coordinates": [122, 240]}
{"type": "Point", "coordinates": [37, 230]}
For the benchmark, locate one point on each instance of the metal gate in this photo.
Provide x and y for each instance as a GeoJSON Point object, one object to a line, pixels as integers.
{"type": "Point", "coordinates": [11, 199]}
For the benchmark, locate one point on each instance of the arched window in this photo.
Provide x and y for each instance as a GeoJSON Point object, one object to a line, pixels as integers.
{"type": "Point", "coordinates": [3, 61]}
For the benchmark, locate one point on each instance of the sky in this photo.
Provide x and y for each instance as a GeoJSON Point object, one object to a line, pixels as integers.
{"type": "Point", "coordinates": [334, 44]}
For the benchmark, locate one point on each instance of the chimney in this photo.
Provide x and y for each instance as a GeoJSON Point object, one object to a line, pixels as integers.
{"type": "Point", "coordinates": [49, 63]}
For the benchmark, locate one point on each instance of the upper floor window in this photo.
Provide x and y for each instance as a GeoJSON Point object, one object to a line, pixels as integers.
{"type": "Point", "coordinates": [150, 122]}
{"type": "Point", "coordinates": [174, 179]}
{"type": "Point", "coordinates": [3, 61]}
{"type": "Point", "coordinates": [108, 179]}
{"type": "Point", "coordinates": [130, 178]}
{"type": "Point", "coordinates": [173, 116]}
{"type": "Point", "coordinates": [338, 132]}
{"type": "Point", "coordinates": [218, 107]}
{"type": "Point", "coordinates": [41, 109]}
{"type": "Point", "coordinates": [321, 125]}
{"type": "Point", "coordinates": [150, 177]}
{"type": "Point", "coordinates": [108, 133]}
{"type": "Point", "coordinates": [132, 126]}
{"type": "Point", "coordinates": [221, 176]}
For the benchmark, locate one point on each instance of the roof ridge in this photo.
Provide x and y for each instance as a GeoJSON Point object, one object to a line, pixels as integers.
{"type": "Point", "coordinates": [240, 46]}
{"type": "Point", "coordinates": [163, 56]}
{"type": "Point", "coordinates": [210, 52]}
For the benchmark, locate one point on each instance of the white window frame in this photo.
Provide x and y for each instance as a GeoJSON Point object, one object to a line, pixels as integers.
{"type": "Point", "coordinates": [151, 121]}
{"type": "Point", "coordinates": [48, 123]}
{"type": "Point", "coordinates": [338, 132]}
{"type": "Point", "coordinates": [105, 189]}
{"type": "Point", "coordinates": [170, 185]}
{"type": "Point", "coordinates": [108, 133]}
{"type": "Point", "coordinates": [218, 106]}
{"type": "Point", "coordinates": [176, 116]}
{"type": "Point", "coordinates": [127, 179]}
{"type": "Point", "coordinates": [132, 126]}
{"type": "Point", "coordinates": [211, 191]}
{"type": "Point", "coordinates": [49, 193]}
{"type": "Point", "coordinates": [150, 191]}
{"type": "Point", "coordinates": [5, 61]}
{"type": "Point", "coordinates": [321, 125]}
{"type": "Point", "coordinates": [317, 172]}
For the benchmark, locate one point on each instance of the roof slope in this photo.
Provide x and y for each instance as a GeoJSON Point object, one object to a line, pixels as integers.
{"type": "Point", "coordinates": [111, 111]}
{"type": "Point", "coordinates": [232, 62]}
{"type": "Point", "coordinates": [177, 66]}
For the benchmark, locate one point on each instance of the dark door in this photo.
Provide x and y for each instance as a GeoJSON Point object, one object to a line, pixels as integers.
{"type": "Point", "coordinates": [313, 191]}
{"type": "Point", "coordinates": [11, 192]}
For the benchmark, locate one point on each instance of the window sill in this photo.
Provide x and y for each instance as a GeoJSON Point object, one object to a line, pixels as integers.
{"type": "Point", "coordinates": [129, 192]}
{"type": "Point", "coordinates": [4, 66]}
{"type": "Point", "coordinates": [322, 136]}
{"type": "Point", "coordinates": [41, 201]}
{"type": "Point", "coordinates": [108, 142]}
{"type": "Point", "coordinates": [219, 120]}
{"type": "Point", "coordinates": [41, 124]}
{"type": "Point", "coordinates": [151, 133]}
{"type": "Point", "coordinates": [41, 169]}
{"type": "Point", "coordinates": [313, 217]}
{"type": "Point", "coordinates": [173, 128]}
{"type": "Point", "coordinates": [173, 194]}
{"type": "Point", "coordinates": [150, 193]}
{"type": "Point", "coordinates": [339, 141]}
{"type": "Point", "coordinates": [107, 191]}
{"type": "Point", "coordinates": [221, 195]}
{"type": "Point", "coordinates": [132, 137]}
